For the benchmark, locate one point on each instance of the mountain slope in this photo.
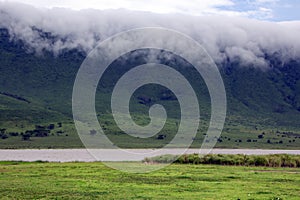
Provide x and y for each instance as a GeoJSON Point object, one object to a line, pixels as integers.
{"type": "Point", "coordinates": [258, 99]}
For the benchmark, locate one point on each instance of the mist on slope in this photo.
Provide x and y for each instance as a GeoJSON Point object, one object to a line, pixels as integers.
{"type": "Point", "coordinates": [58, 29]}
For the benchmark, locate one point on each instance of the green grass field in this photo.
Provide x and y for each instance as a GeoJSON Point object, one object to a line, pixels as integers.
{"type": "Point", "coordinates": [234, 135]}
{"type": "Point", "coordinates": [21, 180]}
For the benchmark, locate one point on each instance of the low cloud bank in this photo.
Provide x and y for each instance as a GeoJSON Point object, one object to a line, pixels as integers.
{"type": "Point", "coordinates": [59, 29]}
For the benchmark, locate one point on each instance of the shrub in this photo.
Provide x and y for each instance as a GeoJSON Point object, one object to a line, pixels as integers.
{"type": "Point", "coordinates": [277, 160]}
{"type": "Point", "coordinates": [261, 161]}
{"type": "Point", "coordinates": [51, 126]}
{"type": "Point", "coordinates": [14, 134]}
{"type": "Point", "coordinates": [93, 132]}
{"type": "Point", "coordinates": [4, 136]}
{"type": "Point", "coordinates": [260, 136]}
{"type": "Point", "coordinates": [26, 136]}
{"type": "Point", "coordinates": [161, 159]}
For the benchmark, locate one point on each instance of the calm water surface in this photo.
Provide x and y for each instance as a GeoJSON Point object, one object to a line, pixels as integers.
{"type": "Point", "coordinates": [69, 155]}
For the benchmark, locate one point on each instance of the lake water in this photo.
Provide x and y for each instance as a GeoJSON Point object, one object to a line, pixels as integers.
{"type": "Point", "coordinates": [70, 155]}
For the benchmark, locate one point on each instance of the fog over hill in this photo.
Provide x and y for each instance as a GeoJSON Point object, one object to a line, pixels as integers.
{"type": "Point", "coordinates": [237, 39]}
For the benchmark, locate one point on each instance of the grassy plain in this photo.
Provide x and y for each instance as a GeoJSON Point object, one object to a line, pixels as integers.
{"type": "Point", "coordinates": [21, 180]}
{"type": "Point", "coordinates": [234, 135]}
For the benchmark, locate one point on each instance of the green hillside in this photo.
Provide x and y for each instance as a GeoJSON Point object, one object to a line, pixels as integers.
{"type": "Point", "coordinates": [37, 90]}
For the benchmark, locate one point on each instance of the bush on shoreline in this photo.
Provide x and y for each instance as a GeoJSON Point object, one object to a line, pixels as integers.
{"type": "Point", "coordinates": [274, 160]}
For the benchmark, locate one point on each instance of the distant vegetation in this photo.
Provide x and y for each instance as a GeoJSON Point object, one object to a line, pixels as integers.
{"type": "Point", "coordinates": [47, 135]}
{"type": "Point", "coordinates": [277, 160]}
{"type": "Point", "coordinates": [39, 131]}
{"type": "Point", "coordinates": [63, 135]}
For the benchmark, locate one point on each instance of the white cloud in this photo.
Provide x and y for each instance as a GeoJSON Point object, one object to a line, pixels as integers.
{"type": "Point", "coordinates": [261, 13]}
{"type": "Point", "coordinates": [191, 7]}
{"type": "Point", "coordinates": [266, 1]}
{"type": "Point", "coordinates": [223, 37]}
{"type": "Point", "coordinates": [159, 6]}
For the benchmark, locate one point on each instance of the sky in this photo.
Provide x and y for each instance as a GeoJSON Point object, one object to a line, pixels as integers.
{"type": "Point", "coordinates": [269, 10]}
